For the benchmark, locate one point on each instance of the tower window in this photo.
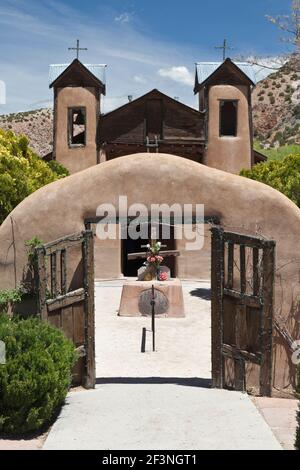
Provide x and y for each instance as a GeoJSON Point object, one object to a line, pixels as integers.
{"type": "Point", "coordinates": [77, 127]}
{"type": "Point", "coordinates": [154, 119]}
{"type": "Point", "coordinates": [228, 118]}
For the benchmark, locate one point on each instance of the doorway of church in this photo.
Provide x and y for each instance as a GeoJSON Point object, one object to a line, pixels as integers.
{"type": "Point", "coordinates": [129, 246]}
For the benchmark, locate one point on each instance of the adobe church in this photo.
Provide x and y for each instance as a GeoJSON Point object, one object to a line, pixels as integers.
{"type": "Point", "coordinates": [218, 135]}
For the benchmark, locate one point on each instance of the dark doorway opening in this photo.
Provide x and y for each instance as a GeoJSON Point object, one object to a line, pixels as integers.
{"type": "Point", "coordinates": [131, 267]}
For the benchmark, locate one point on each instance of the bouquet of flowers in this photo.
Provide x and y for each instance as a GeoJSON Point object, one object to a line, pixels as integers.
{"type": "Point", "coordinates": [154, 259]}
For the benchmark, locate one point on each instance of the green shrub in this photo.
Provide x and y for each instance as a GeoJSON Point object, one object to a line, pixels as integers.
{"type": "Point", "coordinates": [8, 297]}
{"type": "Point", "coordinates": [58, 169]}
{"type": "Point", "coordinates": [37, 374]}
{"type": "Point", "coordinates": [296, 111]}
{"type": "Point", "coordinates": [283, 175]}
{"type": "Point", "coordinates": [279, 137]}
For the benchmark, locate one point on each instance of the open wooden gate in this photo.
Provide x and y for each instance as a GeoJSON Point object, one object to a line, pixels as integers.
{"type": "Point", "coordinates": [242, 311]}
{"type": "Point", "coordinates": [65, 286]}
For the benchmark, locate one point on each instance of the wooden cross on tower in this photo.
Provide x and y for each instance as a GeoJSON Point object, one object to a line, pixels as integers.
{"type": "Point", "coordinates": [77, 49]}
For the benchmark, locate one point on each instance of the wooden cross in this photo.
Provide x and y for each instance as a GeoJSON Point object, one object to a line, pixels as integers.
{"type": "Point", "coordinates": [145, 254]}
{"type": "Point", "coordinates": [225, 47]}
{"type": "Point", "coordinates": [77, 49]}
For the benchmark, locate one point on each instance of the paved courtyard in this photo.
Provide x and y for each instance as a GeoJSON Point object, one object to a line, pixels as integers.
{"type": "Point", "coordinates": [159, 400]}
{"type": "Point", "coordinates": [182, 344]}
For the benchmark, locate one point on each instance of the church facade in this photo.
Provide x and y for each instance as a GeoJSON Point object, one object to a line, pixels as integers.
{"type": "Point", "coordinates": [218, 134]}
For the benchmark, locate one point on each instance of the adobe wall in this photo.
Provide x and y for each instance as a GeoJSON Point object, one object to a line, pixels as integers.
{"type": "Point", "coordinates": [195, 264]}
{"type": "Point", "coordinates": [107, 255]}
{"type": "Point", "coordinates": [230, 154]}
{"type": "Point", "coordinates": [242, 204]}
{"type": "Point", "coordinates": [76, 158]}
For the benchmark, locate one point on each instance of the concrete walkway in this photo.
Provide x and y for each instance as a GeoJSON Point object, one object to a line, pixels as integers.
{"type": "Point", "coordinates": [153, 416]}
{"type": "Point", "coordinates": [158, 400]}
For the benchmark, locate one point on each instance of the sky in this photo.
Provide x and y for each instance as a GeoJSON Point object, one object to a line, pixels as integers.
{"type": "Point", "coordinates": [146, 44]}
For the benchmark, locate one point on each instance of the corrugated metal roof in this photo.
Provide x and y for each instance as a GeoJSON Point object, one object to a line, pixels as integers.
{"type": "Point", "coordinates": [55, 70]}
{"type": "Point", "coordinates": [205, 69]}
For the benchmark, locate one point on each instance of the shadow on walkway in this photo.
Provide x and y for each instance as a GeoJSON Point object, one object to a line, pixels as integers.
{"type": "Point", "coordinates": [203, 293]}
{"type": "Point", "coordinates": [187, 382]}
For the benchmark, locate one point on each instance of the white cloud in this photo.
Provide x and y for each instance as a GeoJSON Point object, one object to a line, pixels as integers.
{"type": "Point", "coordinates": [124, 18]}
{"type": "Point", "coordinates": [179, 74]}
{"type": "Point", "coordinates": [139, 79]}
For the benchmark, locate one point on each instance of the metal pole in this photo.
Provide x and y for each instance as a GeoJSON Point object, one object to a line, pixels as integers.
{"type": "Point", "coordinates": [153, 319]}
{"type": "Point", "coordinates": [143, 345]}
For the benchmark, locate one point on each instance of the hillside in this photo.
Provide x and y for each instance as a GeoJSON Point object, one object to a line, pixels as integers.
{"type": "Point", "coordinates": [276, 106]}
{"type": "Point", "coordinates": [37, 125]}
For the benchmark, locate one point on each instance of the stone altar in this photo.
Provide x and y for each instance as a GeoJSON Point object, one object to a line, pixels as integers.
{"type": "Point", "coordinates": [168, 295]}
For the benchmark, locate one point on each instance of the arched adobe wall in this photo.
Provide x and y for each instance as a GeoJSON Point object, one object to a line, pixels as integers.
{"type": "Point", "coordinates": [242, 205]}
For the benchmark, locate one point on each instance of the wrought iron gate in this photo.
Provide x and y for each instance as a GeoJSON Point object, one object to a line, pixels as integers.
{"type": "Point", "coordinates": [65, 286]}
{"type": "Point", "coordinates": [242, 311]}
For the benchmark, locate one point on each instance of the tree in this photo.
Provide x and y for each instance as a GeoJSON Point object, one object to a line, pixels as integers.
{"type": "Point", "coordinates": [21, 171]}
{"type": "Point", "coordinates": [290, 24]}
{"type": "Point", "coordinates": [283, 175]}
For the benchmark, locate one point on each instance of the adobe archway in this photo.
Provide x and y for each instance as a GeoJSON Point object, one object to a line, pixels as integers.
{"type": "Point", "coordinates": [241, 204]}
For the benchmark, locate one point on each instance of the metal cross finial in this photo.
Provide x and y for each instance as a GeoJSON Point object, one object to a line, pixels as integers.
{"type": "Point", "coordinates": [225, 47]}
{"type": "Point", "coordinates": [77, 49]}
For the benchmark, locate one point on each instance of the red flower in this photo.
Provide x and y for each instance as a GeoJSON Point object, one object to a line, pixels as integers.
{"type": "Point", "coordinates": [163, 276]}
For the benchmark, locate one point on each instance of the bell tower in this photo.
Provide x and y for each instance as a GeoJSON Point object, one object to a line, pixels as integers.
{"type": "Point", "coordinates": [77, 100]}
{"type": "Point", "coordinates": [225, 98]}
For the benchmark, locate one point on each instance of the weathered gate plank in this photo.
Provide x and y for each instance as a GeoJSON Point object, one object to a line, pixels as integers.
{"type": "Point", "coordinates": [41, 282]}
{"type": "Point", "coordinates": [217, 279]}
{"type": "Point", "coordinates": [63, 271]}
{"type": "Point", "coordinates": [267, 320]}
{"type": "Point", "coordinates": [88, 273]}
{"type": "Point", "coordinates": [53, 274]}
{"type": "Point", "coordinates": [63, 301]}
{"type": "Point", "coordinates": [256, 278]}
{"type": "Point", "coordinates": [229, 283]}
